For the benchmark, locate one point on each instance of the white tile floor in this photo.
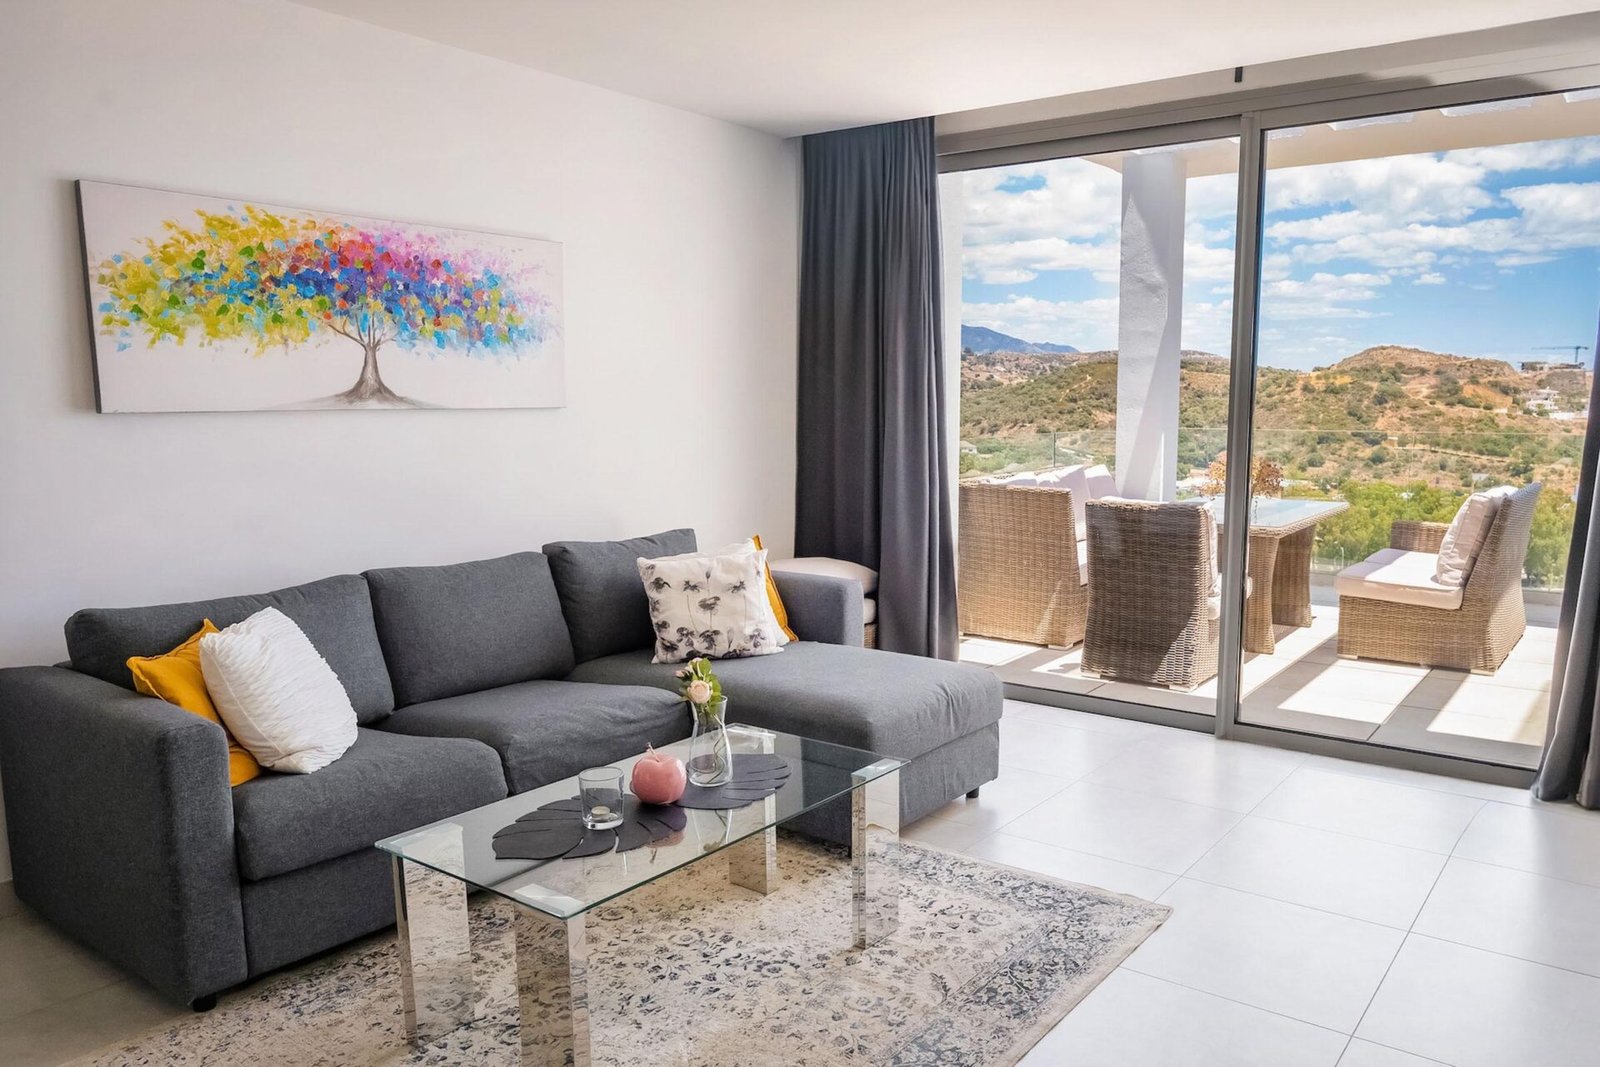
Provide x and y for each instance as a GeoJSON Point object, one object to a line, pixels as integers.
{"type": "Point", "coordinates": [1325, 913]}
{"type": "Point", "coordinates": [1304, 685]}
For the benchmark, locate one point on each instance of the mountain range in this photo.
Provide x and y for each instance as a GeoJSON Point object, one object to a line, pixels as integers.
{"type": "Point", "coordinates": [982, 340]}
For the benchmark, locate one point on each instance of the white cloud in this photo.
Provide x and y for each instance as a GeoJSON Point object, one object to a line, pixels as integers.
{"type": "Point", "coordinates": [1208, 326]}
{"type": "Point", "coordinates": [1522, 259]}
{"type": "Point", "coordinates": [1006, 276]}
{"type": "Point", "coordinates": [1325, 287]}
{"type": "Point", "coordinates": [1323, 295]}
{"type": "Point", "coordinates": [1213, 198]}
{"type": "Point", "coordinates": [995, 261]}
{"type": "Point", "coordinates": [1534, 155]}
{"type": "Point", "coordinates": [1358, 229]}
{"type": "Point", "coordinates": [1090, 325]}
{"type": "Point", "coordinates": [1079, 201]}
{"type": "Point", "coordinates": [1414, 188]}
{"type": "Point", "coordinates": [1202, 262]}
{"type": "Point", "coordinates": [1570, 210]}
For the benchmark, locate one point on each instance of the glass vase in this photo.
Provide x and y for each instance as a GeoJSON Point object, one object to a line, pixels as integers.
{"type": "Point", "coordinates": [710, 755]}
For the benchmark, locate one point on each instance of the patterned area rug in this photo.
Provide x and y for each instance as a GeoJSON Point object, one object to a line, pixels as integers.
{"type": "Point", "coordinates": [692, 971]}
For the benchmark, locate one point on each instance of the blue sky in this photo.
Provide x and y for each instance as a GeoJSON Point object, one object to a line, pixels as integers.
{"type": "Point", "coordinates": [1482, 252]}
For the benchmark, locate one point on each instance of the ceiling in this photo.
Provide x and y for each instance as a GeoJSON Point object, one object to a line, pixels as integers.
{"type": "Point", "coordinates": [800, 66]}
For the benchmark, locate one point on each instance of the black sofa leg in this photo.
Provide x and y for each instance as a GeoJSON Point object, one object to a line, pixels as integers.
{"type": "Point", "coordinates": [974, 794]}
{"type": "Point", "coordinates": [200, 1004]}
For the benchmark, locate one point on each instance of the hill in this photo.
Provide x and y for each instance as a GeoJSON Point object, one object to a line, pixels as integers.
{"type": "Point", "coordinates": [981, 340]}
{"type": "Point", "coordinates": [1398, 432]}
{"type": "Point", "coordinates": [1399, 414]}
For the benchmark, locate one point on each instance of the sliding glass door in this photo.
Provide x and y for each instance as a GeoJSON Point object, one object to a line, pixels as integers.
{"type": "Point", "coordinates": [1429, 282]}
{"type": "Point", "coordinates": [1385, 307]}
{"type": "Point", "coordinates": [1096, 308]}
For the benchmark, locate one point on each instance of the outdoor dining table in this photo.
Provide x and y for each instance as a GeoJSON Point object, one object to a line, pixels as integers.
{"type": "Point", "coordinates": [1283, 533]}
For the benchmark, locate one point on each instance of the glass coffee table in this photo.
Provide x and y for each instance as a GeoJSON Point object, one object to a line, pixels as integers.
{"type": "Point", "coordinates": [436, 866]}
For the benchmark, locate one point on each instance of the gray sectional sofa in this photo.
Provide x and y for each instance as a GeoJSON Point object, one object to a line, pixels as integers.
{"type": "Point", "coordinates": [469, 681]}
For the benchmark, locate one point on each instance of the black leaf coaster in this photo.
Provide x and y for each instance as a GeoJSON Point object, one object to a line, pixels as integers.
{"type": "Point", "coordinates": [756, 776]}
{"type": "Point", "coordinates": [556, 829]}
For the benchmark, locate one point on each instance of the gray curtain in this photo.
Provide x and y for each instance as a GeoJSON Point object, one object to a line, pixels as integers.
{"type": "Point", "coordinates": [1570, 766]}
{"type": "Point", "coordinates": [872, 484]}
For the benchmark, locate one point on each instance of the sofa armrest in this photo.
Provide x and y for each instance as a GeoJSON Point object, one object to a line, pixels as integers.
{"type": "Point", "coordinates": [1408, 535]}
{"type": "Point", "coordinates": [120, 820]}
{"type": "Point", "coordinates": [821, 607]}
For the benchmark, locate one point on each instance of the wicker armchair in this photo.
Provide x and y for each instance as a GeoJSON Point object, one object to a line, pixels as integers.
{"type": "Point", "coordinates": [1478, 635]}
{"type": "Point", "coordinates": [1018, 576]}
{"type": "Point", "coordinates": [1152, 617]}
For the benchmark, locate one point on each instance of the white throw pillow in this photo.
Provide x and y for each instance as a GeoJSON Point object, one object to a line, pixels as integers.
{"type": "Point", "coordinates": [748, 545]}
{"type": "Point", "coordinates": [1101, 482]}
{"type": "Point", "coordinates": [1464, 538]}
{"type": "Point", "coordinates": [714, 606]}
{"type": "Point", "coordinates": [276, 694]}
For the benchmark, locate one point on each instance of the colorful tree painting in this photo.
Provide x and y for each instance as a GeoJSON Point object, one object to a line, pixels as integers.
{"type": "Point", "coordinates": [276, 280]}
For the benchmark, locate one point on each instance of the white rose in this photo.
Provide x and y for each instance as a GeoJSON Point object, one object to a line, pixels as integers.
{"type": "Point", "coordinates": [699, 692]}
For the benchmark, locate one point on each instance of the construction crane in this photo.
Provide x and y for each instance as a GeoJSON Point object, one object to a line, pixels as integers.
{"type": "Point", "coordinates": [1574, 349]}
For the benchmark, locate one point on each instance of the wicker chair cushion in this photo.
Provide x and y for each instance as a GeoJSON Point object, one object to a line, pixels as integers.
{"type": "Point", "coordinates": [1399, 577]}
{"type": "Point", "coordinates": [1077, 480]}
{"type": "Point", "coordinates": [1214, 601]}
{"type": "Point", "coordinates": [1101, 482]}
{"type": "Point", "coordinates": [1083, 562]}
{"type": "Point", "coordinates": [1464, 539]}
{"type": "Point", "coordinates": [831, 568]}
{"type": "Point", "coordinates": [869, 610]}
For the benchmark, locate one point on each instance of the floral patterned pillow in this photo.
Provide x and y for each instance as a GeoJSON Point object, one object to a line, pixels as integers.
{"type": "Point", "coordinates": [712, 606]}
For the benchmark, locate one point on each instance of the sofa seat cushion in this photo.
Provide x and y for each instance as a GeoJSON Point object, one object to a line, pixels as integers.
{"type": "Point", "coordinates": [469, 626]}
{"type": "Point", "coordinates": [884, 702]}
{"type": "Point", "coordinates": [1399, 577]}
{"type": "Point", "coordinates": [545, 731]}
{"type": "Point", "coordinates": [384, 784]}
{"type": "Point", "coordinates": [335, 613]}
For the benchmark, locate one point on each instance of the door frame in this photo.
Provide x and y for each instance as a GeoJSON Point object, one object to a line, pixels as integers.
{"type": "Point", "coordinates": [1251, 118]}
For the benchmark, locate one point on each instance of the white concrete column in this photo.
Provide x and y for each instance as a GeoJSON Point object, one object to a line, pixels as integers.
{"type": "Point", "coordinates": [1150, 325]}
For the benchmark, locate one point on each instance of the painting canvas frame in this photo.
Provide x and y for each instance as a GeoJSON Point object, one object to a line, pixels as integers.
{"type": "Point", "coordinates": [203, 303]}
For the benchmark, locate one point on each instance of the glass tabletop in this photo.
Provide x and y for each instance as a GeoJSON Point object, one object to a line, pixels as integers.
{"type": "Point", "coordinates": [462, 847]}
{"type": "Point", "coordinates": [1273, 511]}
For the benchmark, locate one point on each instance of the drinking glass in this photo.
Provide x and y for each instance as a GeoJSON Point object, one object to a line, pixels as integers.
{"type": "Point", "coordinates": [600, 792]}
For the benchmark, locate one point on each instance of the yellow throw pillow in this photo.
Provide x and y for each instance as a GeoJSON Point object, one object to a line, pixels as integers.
{"type": "Point", "coordinates": [176, 678]}
{"type": "Point", "coordinates": [777, 601]}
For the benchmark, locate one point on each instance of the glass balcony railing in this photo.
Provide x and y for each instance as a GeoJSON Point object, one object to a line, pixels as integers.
{"type": "Point", "coordinates": [1385, 477]}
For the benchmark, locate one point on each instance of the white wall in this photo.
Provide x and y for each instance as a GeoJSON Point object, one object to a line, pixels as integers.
{"type": "Point", "coordinates": [680, 251]}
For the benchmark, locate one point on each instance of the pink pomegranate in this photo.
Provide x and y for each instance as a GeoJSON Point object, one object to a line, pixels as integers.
{"type": "Point", "coordinates": [658, 779]}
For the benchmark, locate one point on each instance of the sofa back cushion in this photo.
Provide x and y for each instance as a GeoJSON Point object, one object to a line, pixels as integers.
{"type": "Point", "coordinates": [601, 594]}
{"type": "Point", "coordinates": [469, 626]}
{"type": "Point", "coordinates": [335, 613]}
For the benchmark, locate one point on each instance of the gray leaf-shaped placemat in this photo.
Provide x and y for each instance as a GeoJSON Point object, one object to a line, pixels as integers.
{"type": "Point", "coordinates": [556, 829]}
{"type": "Point", "coordinates": [756, 776]}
